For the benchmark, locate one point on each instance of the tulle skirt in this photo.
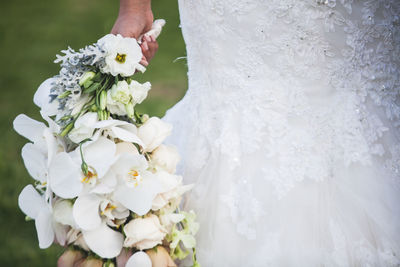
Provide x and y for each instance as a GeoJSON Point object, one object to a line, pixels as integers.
{"type": "Point", "coordinates": [349, 218]}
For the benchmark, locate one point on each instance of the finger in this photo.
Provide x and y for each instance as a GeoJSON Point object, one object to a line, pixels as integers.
{"type": "Point", "coordinates": [144, 61]}
{"type": "Point", "coordinates": [145, 46]}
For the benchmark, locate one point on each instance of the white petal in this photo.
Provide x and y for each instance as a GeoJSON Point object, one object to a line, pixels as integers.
{"type": "Point", "coordinates": [106, 184]}
{"type": "Point", "coordinates": [128, 161]}
{"type": "Point", "coordinates": [86, 212]}
{"type": "Point", "coordinates": [188, 241]}
{"type": "Point", "coordinates": [44, 228]}
{"type": "Point", "coordinates": [42, 98]}
{"type": "Point", "coordinates": [126, 135]}
{"type": "Point", "coordinates": [29, 128]}
{"type": "Point", "coordinates": [139, 259]}
{"type": "Point", "coordinates": [104, 241]}
{"type": "Point", "coordinates": [35, 162]}
{"type": "Point", "coordinates": [62, 212]}
{"type": "Point", "coordinates": [138, 199]}
{"type": "Point", "coordinates": [65, 176]}
{"type": "Point", "coordinates": [100, 155]}
{"type": "Point", "coordinates": [30, 201]}
{"type": "Point", "coordinates": [61, 233]}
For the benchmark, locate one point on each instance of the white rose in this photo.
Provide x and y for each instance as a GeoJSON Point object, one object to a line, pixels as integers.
{"type": "Point", "coordinates": [122, 55]}
{"type": "Point", "coordinates": [83, 127]}
{"type": "Point", "coordinates": [139, 91]}
{"type": "Point", "coordinates": [171, 189]}
{"type": "Point", "coordinates": [144, 233]}
{"type": "Point", "coordinates": [115, 107]}
{"type": "Point", "coordinates": [166, 157]}
{"type": "Point", "coordinates": [153, 132]}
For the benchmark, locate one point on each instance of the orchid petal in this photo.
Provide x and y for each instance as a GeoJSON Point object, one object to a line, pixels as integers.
{"type": "Point", "coordinates": [35, 162]}
{"type": "Point", "coordinates": [126, 135]}
{"type": "Point", "coordinates": [86, 211]}
{"type": "Point", "coordinates": [62, 212]}
{"type": "Point", "coordinates": [100, 155]}
{"type": "Point", "coordinates": [128, 161]}
{"type": "Point", "coordinates": [44, 228]}
{"type": "Point", "coordinates": [29, 128]}
{"type": "Point", "coordinates": [64, 176]}
{"type": "Point", "coordinates": [42, 98]}
{"type": "Point", "coordinates": [139, 259]}
{"type": "Point", "coordinates": [30, 201]}
{"type": "Point", "coordinates": [138, 199]}
{"type": "Point", "coordinates": [106, 184]}
{"type": "Point", "coordinates": [104, 241]}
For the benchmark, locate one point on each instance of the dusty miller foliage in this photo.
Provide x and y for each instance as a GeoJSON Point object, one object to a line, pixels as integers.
{"type": "Point", "coordinates": [73, 65]}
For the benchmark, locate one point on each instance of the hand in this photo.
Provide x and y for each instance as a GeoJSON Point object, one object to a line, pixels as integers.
{"type": "Point", "coordinates": [149, 48]}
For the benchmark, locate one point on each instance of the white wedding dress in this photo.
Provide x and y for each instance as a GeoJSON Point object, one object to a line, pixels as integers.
{"type": "Point", "coordinates": [290, 130]}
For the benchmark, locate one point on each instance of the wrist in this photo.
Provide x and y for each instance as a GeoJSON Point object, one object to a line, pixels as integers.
{"type": "Point", "coordinates": [135, 7]}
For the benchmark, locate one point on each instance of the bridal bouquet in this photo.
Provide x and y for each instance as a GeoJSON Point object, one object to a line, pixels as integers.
{"type": "Point", "coordinates": [104, 182]}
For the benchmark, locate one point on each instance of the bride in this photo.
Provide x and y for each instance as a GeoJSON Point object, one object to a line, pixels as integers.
{"type": "Point", "coordinates": [289, 128]}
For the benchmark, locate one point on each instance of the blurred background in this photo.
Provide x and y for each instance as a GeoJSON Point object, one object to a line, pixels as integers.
{"type": "Point", "coordinates": [31, 34]}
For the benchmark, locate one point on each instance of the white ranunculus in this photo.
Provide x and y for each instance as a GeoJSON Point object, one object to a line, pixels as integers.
{"type": "Point", "coordinates": [83, 127]}
{"type": "Point", "coordinates": [165, 157]}
{"type": "Point", "coordinates": [144, 233]}
{"type": "Point", "coordinates": [139, 91]}
{"type": "Point", "coordinates": [122, 55]}
{"type": "Point", "coordinates": [153, 132]}
{"type": "Point", "coordinates": [115, 107]}
{"type": "Point", "coordinates": [137, 187]}
{"type": "Point", "coordinates": [120, 92]}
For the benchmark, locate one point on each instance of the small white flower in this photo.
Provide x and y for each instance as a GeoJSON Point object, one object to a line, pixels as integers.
{"type": "Point", "coordinates": [153, 132]}
{"type": "Point", "coordinates": [122, 55]}
{"type": "Point", "coordinates": [120, 92]}
{"type": "Point", "coordinates": [144, 233]}
{"type": "Point", "coordinates": [139, 91]}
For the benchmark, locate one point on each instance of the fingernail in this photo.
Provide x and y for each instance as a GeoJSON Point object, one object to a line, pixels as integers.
{"type": "Point", "coordinates": [147, 38]}
{"type": "Point", "coordinates": [145, 46]}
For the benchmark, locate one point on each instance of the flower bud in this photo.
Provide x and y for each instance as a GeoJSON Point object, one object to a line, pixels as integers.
{"type": "Point", "coordinates": [86, 79]}
{"type": "Point", "coordinates": [145, 117]}
{"type": "Point", "coordinates": [103, 100]}
{"type": "Point", "coordinates": [130, 109]}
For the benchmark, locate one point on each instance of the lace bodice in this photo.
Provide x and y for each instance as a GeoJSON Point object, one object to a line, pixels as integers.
{"type": "Point", "coordinates": [330, 65]}
{"type": "Point", "coordinates": [302, 86]}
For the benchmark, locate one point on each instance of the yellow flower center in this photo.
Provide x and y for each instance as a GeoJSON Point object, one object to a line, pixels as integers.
{"type": "Point", "coordinates": [120, 58]}
{"type": "Point", "coordinates": [89, 177]}
{"type": "Point", "coordinates": [134, 175]}
{"type": "Point", "coordinates": [109, 208]}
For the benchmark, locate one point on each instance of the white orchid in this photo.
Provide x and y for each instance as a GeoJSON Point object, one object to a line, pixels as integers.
{"type": "Point", "coordinates": [153, 132]}
{"type": "Point", "coordinates": [38, 155]}
{"type": "Point", "coordinates": [122, 55]}
{"type": "Point", "coordinates": [67, 179]}
{"type": "Point", "coordinates": [36, 207]}
{"type": "Point", "coordinates": [137, 187]}
{"type": "Point", "coordinates": [92, 213]}
{"type": "Point", "coordinates": [119, 129]}
{"type": "Point", "coordinates": [139, 259]}
{"type": "Point", "coordinates": [83, 127]}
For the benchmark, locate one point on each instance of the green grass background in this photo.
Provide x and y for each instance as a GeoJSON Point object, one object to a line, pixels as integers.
{"type": "Point", "coordinates": [31, 34]}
